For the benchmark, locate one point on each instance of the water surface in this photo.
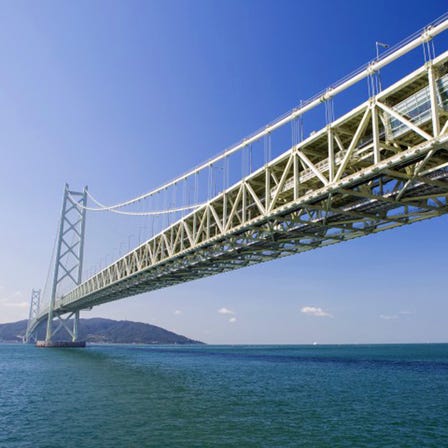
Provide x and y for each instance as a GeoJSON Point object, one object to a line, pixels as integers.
{"type": "Point", "coordinates": [224, 396]}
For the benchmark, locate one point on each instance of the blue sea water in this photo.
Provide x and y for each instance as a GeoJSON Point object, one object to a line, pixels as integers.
{"type": "Point", "coordinates": [224, 396]}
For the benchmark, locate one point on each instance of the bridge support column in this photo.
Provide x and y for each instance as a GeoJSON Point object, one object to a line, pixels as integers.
{"type": "Point", "coordinates": [69, 256]}
{"type": "Point", "coordinates": [75, 326]}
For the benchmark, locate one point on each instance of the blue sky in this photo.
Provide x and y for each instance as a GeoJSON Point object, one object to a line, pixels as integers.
{"type": "Point", "coordinates": [123, 96]}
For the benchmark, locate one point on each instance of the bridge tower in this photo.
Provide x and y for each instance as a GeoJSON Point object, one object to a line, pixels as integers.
{"type": "Point", "coordinates": [34, 311]}
{"type": "Point", "coordinates": [69, 258]}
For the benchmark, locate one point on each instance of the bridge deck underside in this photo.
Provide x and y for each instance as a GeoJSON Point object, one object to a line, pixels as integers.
{"type": "Point", "coordinates": [317, 225]}
{"type": "Point", "coordinates": [383, 165]}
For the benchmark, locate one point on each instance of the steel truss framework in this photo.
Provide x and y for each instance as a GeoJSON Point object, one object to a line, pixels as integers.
{"type": "Point", "coordinates": [381, 166]}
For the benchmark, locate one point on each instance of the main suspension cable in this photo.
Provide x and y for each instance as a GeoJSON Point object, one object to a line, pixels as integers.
{"type": "Point", "coordinates": [104, 208]}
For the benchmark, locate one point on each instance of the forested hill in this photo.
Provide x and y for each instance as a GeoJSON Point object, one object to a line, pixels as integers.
{"type": "Point", "coordinates": [102, 331]}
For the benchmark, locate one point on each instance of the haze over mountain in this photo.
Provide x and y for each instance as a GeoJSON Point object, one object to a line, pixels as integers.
{"type": "Point", "coordinates": [99, 330]}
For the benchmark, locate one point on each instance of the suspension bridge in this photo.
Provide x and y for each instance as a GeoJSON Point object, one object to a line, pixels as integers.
{"type": "Point", "coordinates": [381, 165]}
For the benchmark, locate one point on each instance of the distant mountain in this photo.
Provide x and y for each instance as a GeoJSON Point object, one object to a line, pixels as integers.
{"type": "Point", "coordinates": [102, 331]}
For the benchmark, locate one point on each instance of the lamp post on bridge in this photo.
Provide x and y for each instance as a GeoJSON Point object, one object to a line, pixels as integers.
{"type": "Point", "coordinates": [379, 45]}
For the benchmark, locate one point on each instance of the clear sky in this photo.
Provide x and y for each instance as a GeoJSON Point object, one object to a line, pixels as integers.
{"type": "Point", "coordinates": [123, 96]}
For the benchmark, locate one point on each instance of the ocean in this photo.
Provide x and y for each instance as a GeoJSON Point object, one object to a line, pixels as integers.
{"type": "Point", "coordinates": [224, 396]}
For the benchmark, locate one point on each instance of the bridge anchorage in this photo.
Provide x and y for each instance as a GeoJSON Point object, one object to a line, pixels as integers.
{"type": "Point", "coordinates": [382, 165]}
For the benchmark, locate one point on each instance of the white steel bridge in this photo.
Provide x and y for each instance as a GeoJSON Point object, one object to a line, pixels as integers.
{"type": "Point", "coordinates": [382, 165]}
